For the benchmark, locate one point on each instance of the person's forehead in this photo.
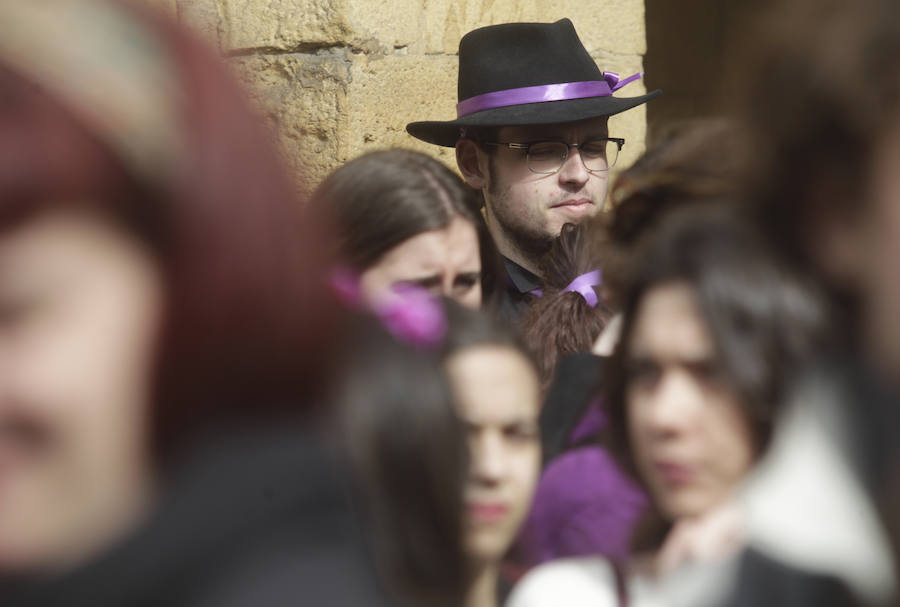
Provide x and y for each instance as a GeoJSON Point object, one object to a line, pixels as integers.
{"type": "Point", "coordinates": [495, 386]}
{"type": "Point", "coordinates": [669, 325]}
{"type": "Point", "coordinates": [564, 130]}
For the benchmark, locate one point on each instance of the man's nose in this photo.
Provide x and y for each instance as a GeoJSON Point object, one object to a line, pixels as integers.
{"type": "Point", "coordinates": [573, 170]}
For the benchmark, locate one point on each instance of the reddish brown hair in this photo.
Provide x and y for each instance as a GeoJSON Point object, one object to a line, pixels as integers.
{"type": "Point", "coordinates": [561, 323]}
{"type": "Point", "coordinates": [248, 321]}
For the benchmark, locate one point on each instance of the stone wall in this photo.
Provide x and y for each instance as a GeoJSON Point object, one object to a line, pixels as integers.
{"type": "Point", "coordinates": [341, 77]}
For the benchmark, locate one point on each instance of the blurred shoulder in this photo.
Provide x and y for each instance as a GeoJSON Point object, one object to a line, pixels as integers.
{"type": "Point", "coordinates": [572, 582]}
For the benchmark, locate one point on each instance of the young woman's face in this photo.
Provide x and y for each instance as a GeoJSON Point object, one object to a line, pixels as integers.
{"type": "Point", "coordinates": [691, 439]}
{"type": "Point", "coordinates": [498, 398]}
{"type": "Point", "coordinates": [80, 308]}
{"type": "Point", "coordinates": [446, 262]}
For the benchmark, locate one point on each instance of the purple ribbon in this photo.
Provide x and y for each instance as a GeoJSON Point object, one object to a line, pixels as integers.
{"type": "Point", "coordinates": [584, 286]}
{"type": "Point", "coordinates": [414, 317]}
{"type": "Point", "coordinates": [547, 92]}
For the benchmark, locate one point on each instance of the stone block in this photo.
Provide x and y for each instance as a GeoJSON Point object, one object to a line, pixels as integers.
{"type": "Point", "coordinates": [296, 25]}
{"type": "Point", "coordinates": [388, 92]}
{"type": "Point", "coordinates": [304, 98]}
{"type": "Point", "coordinates": [614, 26]}
{"type": "Point", "coordinates": [283, 25]}
{"type": "Point", "coordinates": [391, 25]}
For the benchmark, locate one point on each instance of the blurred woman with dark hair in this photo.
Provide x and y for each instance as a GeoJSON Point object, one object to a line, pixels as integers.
{"type": "Point", "coordinates": [444, 492]}
{"type": "Point", "coordinates": [497, 396]}
{"type": "Point", "coordinates": [714, 331]}
{"type": "Point", "coordinates": [163, 330]}
{"type": "Point", "coordinates": [403, 218]}
{"type": "Point", "coordinates": [408, 449]}
{"type": "Point", "coordinates": [825, 191]}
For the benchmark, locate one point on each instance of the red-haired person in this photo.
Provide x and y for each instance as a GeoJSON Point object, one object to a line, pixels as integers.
{"type": "Point", "coordinates": [163, 330]}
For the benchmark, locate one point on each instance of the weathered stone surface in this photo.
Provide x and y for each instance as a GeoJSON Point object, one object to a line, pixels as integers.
{"type": "Point", "coordinates": [386, 93]}
{"type": "Point", "coordinates": [613, 25]}
{"type": "Point", "coordinates": [283, 24]}
{"type": "Point", "coordinates": [288, 25]}
{"type": "Point", "coordinates": [304, 97]}
{"type": "Point", "coordinates": [393, 24]}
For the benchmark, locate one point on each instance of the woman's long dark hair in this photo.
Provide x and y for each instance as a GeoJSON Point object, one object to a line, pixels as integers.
{"type": "Point", "coordinates": [766, 323]}
{"type": "Point", "coordinates": [408, 451]}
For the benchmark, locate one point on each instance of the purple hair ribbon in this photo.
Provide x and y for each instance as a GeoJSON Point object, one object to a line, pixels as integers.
{"type": "Point", "coordinates": [546, 92]}
{"type": "Point", "coordinates": [414, 317]}
{"type": "Point", "coordinates": [584, 286]}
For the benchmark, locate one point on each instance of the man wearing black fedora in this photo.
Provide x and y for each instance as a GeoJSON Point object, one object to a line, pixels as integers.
{"type": "Point", "coordinates": [531, 134]}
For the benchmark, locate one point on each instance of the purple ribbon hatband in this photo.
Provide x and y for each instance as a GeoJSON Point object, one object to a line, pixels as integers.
{"type": "Point", "coordinates": [584, 286]}
{"type": "Point", "coordinates": [547, 92]}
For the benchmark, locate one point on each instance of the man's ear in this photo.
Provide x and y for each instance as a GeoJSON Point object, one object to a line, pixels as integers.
{"type": "Point", "coordinates": [472, 163]}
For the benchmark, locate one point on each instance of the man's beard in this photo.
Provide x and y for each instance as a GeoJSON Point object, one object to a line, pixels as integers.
{"type": "Point", "coordinates": [532, 241]}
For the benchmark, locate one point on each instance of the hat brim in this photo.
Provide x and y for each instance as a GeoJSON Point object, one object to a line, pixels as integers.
{"type": "Point", "coordinates": [550, 112]}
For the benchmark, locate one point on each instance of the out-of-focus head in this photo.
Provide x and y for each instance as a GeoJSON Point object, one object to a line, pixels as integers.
{"type": "Point", "coordinates": [714, 331]}
{"type": "Point", "coordinates": [405, 219]}
{"type": "Point", "coordinates": [154, 285]}
{"type": "Point", "coordinates": [409, 453]}
{"type": "Point", "coordinates": [497, 396]}
{"type": "Point", "coordinates": [686, 162]}
{"type": "Point", "coordinates": [826, 185]}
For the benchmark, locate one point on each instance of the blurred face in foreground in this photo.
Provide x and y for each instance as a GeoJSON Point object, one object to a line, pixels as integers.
{"type": "Point", "coordinates": [691, 439]}
{"type": "Point", "coordinates": [498, 398]}
{"type": "Point", "coordinates": [445, 262]}
{"type": "Point", "coordinates": [80, 307]}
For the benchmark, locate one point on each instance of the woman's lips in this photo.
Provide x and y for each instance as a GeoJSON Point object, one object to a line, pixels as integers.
{"type": "Point", "coordinates": [487, 512]}
{"type": "Point", "coordinates": [674, 473]}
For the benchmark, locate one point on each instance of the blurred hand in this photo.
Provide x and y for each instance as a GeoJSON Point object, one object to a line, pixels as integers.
{"type": "Point", "coordinates": [714, 536]}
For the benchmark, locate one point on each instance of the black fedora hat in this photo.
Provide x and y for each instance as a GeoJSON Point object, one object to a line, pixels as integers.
{"type": "Point", "coordinates": [518, 74]}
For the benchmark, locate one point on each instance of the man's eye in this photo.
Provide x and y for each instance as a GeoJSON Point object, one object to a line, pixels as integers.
{"type": "Point", "coordinates": [594, 149]}
{"type": "Point", "coordinates": [544, 150]}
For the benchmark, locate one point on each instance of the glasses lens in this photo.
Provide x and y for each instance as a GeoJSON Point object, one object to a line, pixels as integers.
{"type": "Point", "coordinates": [547, 156]}
{"type": "Point", "coordinates": [600, 154]}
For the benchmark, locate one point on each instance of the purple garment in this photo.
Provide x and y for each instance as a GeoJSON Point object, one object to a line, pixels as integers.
{"type": "Point", "coordinates": [583, 505]}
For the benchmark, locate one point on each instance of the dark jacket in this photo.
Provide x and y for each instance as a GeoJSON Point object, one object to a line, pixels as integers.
{"type": "Point", "coordinates": [261, 519]}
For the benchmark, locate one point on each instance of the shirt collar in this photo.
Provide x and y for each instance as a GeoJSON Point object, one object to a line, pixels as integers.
{"type": "Point", "coordinates": [524, 280]}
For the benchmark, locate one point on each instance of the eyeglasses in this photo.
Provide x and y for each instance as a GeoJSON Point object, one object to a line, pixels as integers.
{"type": "Point", "coordinates": [547, 157]}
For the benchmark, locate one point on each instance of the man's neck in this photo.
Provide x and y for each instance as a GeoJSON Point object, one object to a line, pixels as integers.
{"type": "Point", "coordinates": [509, 249]}
{"type": "Point", "coordinates": [482, 591]}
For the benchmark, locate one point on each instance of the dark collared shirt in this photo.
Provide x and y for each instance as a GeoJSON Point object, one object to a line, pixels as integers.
{"type": "Point", "coordinates": [520, 285]}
